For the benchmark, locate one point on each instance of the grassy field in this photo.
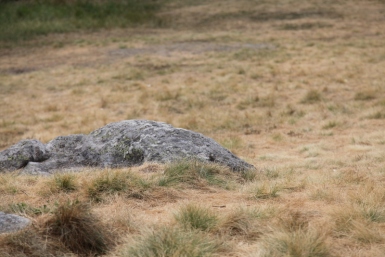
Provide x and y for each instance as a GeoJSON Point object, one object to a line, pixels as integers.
{"type": "Point", "coordinates": [295, 87]}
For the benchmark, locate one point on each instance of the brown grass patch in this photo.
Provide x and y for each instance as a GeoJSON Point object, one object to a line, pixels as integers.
{"type": "Point", "coordinates": [294, 88]}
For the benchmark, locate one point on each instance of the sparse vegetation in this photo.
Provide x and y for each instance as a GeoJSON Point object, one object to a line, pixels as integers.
{"type": "Point", "coordinates": [330, 125]}
{"type": "Point", "coordinates": [294, 88]}
{"type": "Point", "coordinates": [365, 95]}
{"type": "Point", "coordinates": [265, 191]}
{"type": "Point", "coordinates": [312, 96]}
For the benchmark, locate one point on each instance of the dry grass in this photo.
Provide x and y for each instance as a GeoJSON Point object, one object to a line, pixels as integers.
{"type": "Point", "coordinates": [295, 88]}
{"type": "Point", "coordinates": [74, 226]}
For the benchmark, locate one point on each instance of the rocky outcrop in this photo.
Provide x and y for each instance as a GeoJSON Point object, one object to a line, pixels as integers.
{"type": "Point", "coordinates": [20, 154]}
{"type": "Point", "coordinates": [12, 223]}
{"type": "Point", "coordinates": [121, 144]}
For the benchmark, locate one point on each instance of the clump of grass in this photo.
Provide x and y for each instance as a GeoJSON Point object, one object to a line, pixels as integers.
{"type": "Point", "coordinates": [196, 174]}
{"type": "Point", "coordinates": [322, 194]}
{"type": "Point", "coordinates": [30, 242]}
{"type": "Point", "coordinates": [365, 233]}
{"type": "Point", "coordinates": [352, 177]}
{"type": "Point", "coordinates": [78, 229]}
{"type": "Point", "coordinates": [108, 182]}
{"type": "Point", "coordinates": [196, 217]}
{"type": "Point", "coordinates": [271, 173]}
{"type": "Point", "coordinates": [166, 241]}
{"type": "Point", "coordinates": [343, 218]}
{"type": "Point", "coordinates": [368, 200]}
{"type": "Point", "coordinates": [312, 96]}
{"type": "Point", "coordinates": [168, 95]}
{"type": "Point", "coordinates": [365, 95]}
{"type": "Point", "coordinates": [265, 190]}
{"type": "Point", "coordinates": [305, 26]}
{"type": "Point", "coordinates": [249, 102]}
{"type": "Point", "coordinates": [330, 125]}
{"type": "Point", "coordinates": [294, 220]}
{"type": "Point", "coordinates": [373, 212]}
{"type": "Point", "coordinates": [357, 223]}
{"type": "Point", "coordinates": [249, 175]}
{"type": "Point", "coordinates": [8, 184]}
{"type": "Point", "coordinates": [309, 243]}
{"type": "Point", "coordinates": [277, 137]}
{"type": "Point", "coordinates": [26, 209]}
{"type": "Point", "coordinates": [377, 115]}
{"type": "Point", "coordinates": [62, 182]}
{"type": "Point", "coordinates": [243, 223]}
{"type": "Point", "coordinates": [267, 101]}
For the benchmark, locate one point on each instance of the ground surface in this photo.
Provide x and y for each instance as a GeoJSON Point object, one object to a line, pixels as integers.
{"type": "Point", "coordinates": [294, 87]}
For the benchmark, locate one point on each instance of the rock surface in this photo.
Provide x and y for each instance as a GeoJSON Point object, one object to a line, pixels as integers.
{"type": "Point", "coordinates": [18, 155]}
{"type": "Point", "coordinates": [121, 144]}
{"type": "Point", "coordinates": [12, 223]}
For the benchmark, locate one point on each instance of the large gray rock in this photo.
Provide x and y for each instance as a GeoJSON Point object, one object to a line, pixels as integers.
{"type": "Point", "coordinates": [18, 155]}
{"type": "Point", "coordinates": [121, 144]}
{"type": "Point", "coordinates": [12, 223]}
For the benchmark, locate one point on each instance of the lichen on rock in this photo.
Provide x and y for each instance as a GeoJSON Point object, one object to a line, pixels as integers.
{"type": "Point", "coordinates": [120, 144]}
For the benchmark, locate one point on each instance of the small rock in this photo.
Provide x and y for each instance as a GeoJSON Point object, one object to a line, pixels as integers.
{"type": "Point", "coordinates": [12, 223]}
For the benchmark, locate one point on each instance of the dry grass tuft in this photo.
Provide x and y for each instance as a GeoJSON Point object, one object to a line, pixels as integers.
{"type": "Point", "coordinates": [30, 243]}
{"type": "Point", "coordinates": [242, 223]}
{"type": "Point", "coordinates": [78, 229]}
{"type": "Point", "coordinates": [312, 96]}
{"type": "Point", "coordinates": [265, 190]}
{"type": "Point", "coordinates": [365, 95]}
{"type": "Point", "coordinates": [309, 243]}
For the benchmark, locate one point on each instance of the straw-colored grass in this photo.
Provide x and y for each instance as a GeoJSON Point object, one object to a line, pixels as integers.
{"type": "Point", "coordinates": [293, 87]}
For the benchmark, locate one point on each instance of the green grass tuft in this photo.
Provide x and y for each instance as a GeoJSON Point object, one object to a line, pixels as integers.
{"type": "Point", "coordinates": [26, 209]}
{"type": "Point", "coordinates": [196, 217]}
{"type": "Point", "coordinates": [108, 182]}
{"type": "Point", "coordinates": [65, 182]}
{"type": "Point", "coordinates": [22, 20]}
{"type": "Point", "coordinates": [166, 241]}
{"type": "Point", "coordinates": [196, 174]}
